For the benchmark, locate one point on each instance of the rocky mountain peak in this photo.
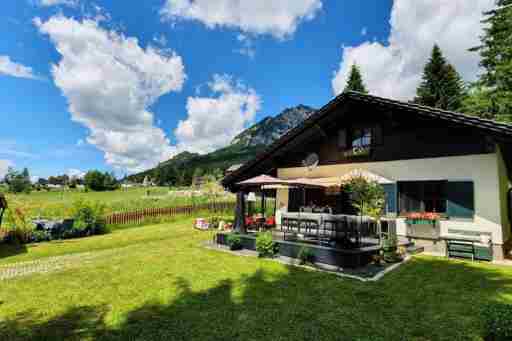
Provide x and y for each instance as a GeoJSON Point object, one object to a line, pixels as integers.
{"type": "Point", "coordinates": [270, 129]}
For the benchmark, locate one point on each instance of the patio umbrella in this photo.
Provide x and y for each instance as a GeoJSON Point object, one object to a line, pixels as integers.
{"type": "Point", "coordinates": [262, 180]}
{"type": "Point", "coordinates": [363, 173]}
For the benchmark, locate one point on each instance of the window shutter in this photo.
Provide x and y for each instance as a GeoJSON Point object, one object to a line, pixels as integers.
{"type": "Point", "coordinates": [342, 139]}
{"type": "Point", "coordinates": [460, 199]}
{"type": "Point", "coordinates": [390, 191]}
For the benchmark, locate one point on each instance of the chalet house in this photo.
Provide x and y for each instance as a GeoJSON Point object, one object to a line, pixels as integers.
{"type": "Point", "coordinates": [428, 160]}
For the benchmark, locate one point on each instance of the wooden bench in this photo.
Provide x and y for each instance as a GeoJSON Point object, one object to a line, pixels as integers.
{"type": "Point", "coordinates": [461, 248]}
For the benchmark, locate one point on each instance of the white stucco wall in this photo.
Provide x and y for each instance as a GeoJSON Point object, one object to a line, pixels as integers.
{"type": "Point", "coordinates": [482, 169]}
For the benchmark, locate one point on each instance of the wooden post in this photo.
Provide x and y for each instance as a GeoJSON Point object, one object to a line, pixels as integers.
{"type": "Point", "coordinates": [3, 207]}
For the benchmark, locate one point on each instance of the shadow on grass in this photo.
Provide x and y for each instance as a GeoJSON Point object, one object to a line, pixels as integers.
{"type": "Point", "coordinates": [426, 299]}
{"type": "Point", "coordinates": [9, 250]}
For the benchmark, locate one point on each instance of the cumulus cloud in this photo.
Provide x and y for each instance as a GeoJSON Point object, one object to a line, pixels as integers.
{"type": "Point", "coordinates": [110, 82]}
{"type": "Point", "coordinates": [212, 122]}
{"type": "Point", "coordinates": [277, 18]}
{"type": "Point", "coordinates": [394, 69]}
{"type": "Point", "coordinates": [75, 173]}
{"type": "Point", "coordinates": [4, 166]}
{"type": "Point", "coordinates": [10, 68]}
{"type": "Point", "coordinates": [47, 3]}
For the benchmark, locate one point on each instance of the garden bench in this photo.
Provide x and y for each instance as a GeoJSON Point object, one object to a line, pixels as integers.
{"type": "Point", "coordinates": [462, 248]}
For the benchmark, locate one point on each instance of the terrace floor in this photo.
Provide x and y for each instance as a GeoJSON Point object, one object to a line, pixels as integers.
{"type": "Point", "coordinates": [160, 283]}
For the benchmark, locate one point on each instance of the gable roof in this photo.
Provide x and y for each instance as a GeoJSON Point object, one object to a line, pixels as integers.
{"type": "Point", "coordinates": [499, 130]}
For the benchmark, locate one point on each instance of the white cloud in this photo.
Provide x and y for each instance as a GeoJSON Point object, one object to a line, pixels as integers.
{"type": "Point", "coordinates": [247, 48]}
{"type": "Point", "coordinates": [47, 3]}
{"type": "Point", "coordinates": [10, 68]}
{"type": "Point", "coordinates": [394, 70]}
{"type": "Point", "coordinates": [278, 18]}
{"type": "Point", "coordinates": [160, 40]}
{"type": "Point", "coordinates": [212, 122]}
{"type": "Point", "coordinates": [4, 166]}
{"type": "Point", "coordinates": [110, 82]}
{"type": "Point", "coordinates": [75, 173]}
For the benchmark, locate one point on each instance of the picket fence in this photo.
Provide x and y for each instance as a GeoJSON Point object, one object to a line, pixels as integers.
{"type": "Point", "coordinates": [139, 215]}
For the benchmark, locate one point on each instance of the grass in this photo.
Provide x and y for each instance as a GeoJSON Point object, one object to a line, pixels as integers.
{"type": "Point", "coordinates": [57, 204]}
{"type": "Point", "coordinates": [162, 285]}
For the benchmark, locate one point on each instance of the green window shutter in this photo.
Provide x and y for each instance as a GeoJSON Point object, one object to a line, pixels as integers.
{"type": "Point", "coordinates": [460, 199]}
{"type": "Point", "coordinates": [391, 197]}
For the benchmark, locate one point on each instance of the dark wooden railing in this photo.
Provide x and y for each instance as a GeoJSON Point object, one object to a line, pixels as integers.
{"type": "Point", "coordinates": [188, 210]}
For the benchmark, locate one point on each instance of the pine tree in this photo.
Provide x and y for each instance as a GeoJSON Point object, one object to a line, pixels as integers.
{"type": "Point", "coordinates": [355, 80]}
{"type": "Point", "coordinates": [441, 86]}
{"type": "Point", "coordinates": [496, 60]}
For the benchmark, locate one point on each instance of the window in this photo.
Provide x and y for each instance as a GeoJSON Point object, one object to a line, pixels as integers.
{"type": "Point", "coordinates": [422, 196]}
{"type": "Point", "coordinates": [361, 137]}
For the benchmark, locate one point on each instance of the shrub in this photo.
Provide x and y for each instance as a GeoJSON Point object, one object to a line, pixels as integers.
{"type": "Point", "coordinates": [19, 228]}
{"type": "Point", "coordinates": [498, 321]}
{"type": "Point", "coordinates": [41, 236]}
{"type": "Point", "coordinates": [306, 255]}
{"type": "Point", "coordinates": [389, 248]}
{"type": "Point", "coordinates": [265, 245]}
{"type": "Point", "coordinates": [88, 219]}
{"type": "Point", "coordinates": [214, 222]}
{"type": "Point", "coordinates": [234, 241]}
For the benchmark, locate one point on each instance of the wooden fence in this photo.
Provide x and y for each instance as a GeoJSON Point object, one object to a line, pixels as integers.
{"type": "Point", "coordinates": [139, 215]}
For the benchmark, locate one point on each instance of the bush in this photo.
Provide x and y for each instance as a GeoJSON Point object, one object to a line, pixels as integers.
{"type": "Point", "coordinates": [19, 228]}
{"type": "Point", "coordinates": [234, 241]}
{"type": "Point", "coordinates": [498, 321]}
{"type": "Point", "coordinates": [389, 248]}
{"type": "Point", "coordinates": [41, 236]}
{"type": "Point", "coordinates": [214, 222]}
{"type": "Point", "coordinates": [88, 219]}
{"type": "Point", "coordinates": [265, 245]}
{"type": "Point", "coordinates": [306, 255]}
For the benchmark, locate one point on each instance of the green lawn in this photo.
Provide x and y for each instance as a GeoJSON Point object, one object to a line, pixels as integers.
{"type": "Point", "coordinates": [59, 203]}
{"type": "Point", "coordinates": [162, 285]}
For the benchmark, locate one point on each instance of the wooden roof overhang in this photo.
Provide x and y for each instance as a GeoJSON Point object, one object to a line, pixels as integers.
{"type": "Point", "coordinates": [501, 133]}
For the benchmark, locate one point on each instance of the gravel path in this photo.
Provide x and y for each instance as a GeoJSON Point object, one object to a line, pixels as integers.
{"type": "Point", "coordinates": [51, 264]}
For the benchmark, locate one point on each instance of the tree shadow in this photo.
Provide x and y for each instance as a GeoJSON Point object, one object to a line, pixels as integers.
{"type": "Point", "coordinates": [9, 250]}
{"type": "Point", "coordinates": [425, 299]}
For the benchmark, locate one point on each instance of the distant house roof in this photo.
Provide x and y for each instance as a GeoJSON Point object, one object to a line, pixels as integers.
{"type": "Point", "coordinates": [496, 129]}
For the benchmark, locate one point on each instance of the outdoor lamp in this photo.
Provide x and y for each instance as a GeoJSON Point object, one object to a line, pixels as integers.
{"type": "Point", "coordinates": [251, 197]}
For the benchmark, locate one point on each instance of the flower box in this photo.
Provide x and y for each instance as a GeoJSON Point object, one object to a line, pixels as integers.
{"type": "Point", "coordinates": [425, 218]}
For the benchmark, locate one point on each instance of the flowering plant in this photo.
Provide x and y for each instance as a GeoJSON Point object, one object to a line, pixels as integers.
{"type": "Point", "coordinates": [430, 216]}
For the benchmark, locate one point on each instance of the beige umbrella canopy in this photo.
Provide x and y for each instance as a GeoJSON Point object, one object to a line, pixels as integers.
{"type": "Point", "coordinates": [262, 180]}
{"type": "Point", "coordinates": [363, 173]}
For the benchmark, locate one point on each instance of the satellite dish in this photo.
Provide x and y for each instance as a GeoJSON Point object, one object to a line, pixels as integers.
{"type": "Point", "coordinates": [311, 161]}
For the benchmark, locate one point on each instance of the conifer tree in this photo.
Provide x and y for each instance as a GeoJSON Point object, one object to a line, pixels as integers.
{"type": "Point", "coordinates": [493, 91]}
{"type": "Point", "coordinates": [355, 80]}
{"type": "Point", "coordinates": [441, 85]}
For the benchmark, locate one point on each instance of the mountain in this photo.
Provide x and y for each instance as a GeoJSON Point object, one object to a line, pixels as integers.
{"type": "Point", "coordinates": [180, 169]}
{"type": "Point", "coordinates": [272, 128]}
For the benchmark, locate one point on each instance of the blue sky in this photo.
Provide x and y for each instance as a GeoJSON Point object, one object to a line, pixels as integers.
{"type": "Point", "coordinates": [198, 72]}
